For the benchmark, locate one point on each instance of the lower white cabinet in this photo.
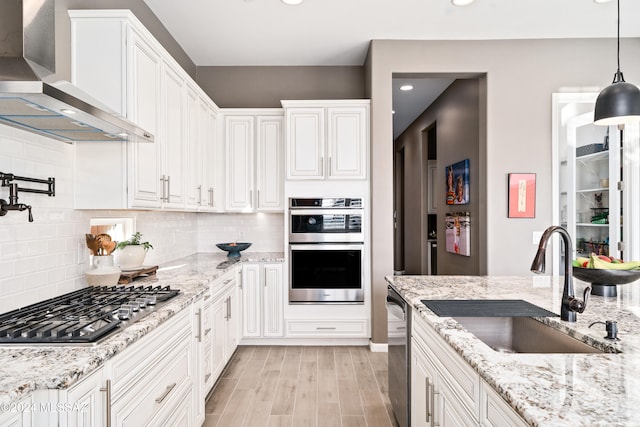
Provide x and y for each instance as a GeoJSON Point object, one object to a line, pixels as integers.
{"type": "Point", "coordinates": [262, 300]}
{"type": "Point", "coordinates": [17, 414]}
{"type": "Point", "coordinates": [446, 391]}
{"type": "Point", "coordinates": [225, 312]}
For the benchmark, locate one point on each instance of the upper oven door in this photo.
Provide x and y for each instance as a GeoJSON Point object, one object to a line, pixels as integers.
{"type": "Point", "coordinates": [325, 225]}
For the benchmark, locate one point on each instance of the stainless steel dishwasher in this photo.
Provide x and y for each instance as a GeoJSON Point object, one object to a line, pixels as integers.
{"type": "Point", "coordinates": [399, 339]}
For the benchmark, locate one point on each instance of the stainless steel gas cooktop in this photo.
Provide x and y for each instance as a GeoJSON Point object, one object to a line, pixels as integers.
{"type": "Point", "coordinates": [85, 316]}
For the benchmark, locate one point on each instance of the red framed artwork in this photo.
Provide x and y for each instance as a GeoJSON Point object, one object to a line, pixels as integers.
{"type": "Point", "coordinates": [522, 195]}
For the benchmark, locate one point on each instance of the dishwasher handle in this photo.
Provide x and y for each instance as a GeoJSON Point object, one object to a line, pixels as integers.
{"type": "Point", "coordinates": [396, 307]}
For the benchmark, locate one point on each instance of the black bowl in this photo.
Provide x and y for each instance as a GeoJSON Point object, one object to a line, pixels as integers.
{"type": "Point", "coordinates": [233, 248]}
{"type": "Point", "coordinates": [606, 277]}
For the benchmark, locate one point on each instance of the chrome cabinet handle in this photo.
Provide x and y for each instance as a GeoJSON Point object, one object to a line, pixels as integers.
{"type": "Point", "coordinates": [206, 331]}
{"type": "Point", "coordinates": [199, 314]}
{"type": "Point", "coordinates": [321, 165]}
{"type": "Point", "coordinates": [325, 328]}
{"type": "Point", "coordinates": [162, 196]}
{"type": "Point", "coordinates": [200, 194]}
{"type": "Point", "coordinates": [211, 196]}
{"type": "Point", "coordinates": [107, 390]}
{"type": "Point", "coordinates": [206, 377]}
{"type": "Point", "coordinates": [229, 307]}
{"type": "Point", "coordinates": [168, 189]}
{"type": "Point", "coordinates": [428, 401]}
{"type": "Point", "coordinates": [329, 171]}
{"type": "Point", "coordinates": [166, 393]}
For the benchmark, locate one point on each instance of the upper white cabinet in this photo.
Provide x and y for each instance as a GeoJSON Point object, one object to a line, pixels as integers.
{"type": "Point", "coordinates": [327, 139]}
{"type": "Point", "coordinates": [253, 142]}
{"type": "Point", "coordinates": [133, 75]}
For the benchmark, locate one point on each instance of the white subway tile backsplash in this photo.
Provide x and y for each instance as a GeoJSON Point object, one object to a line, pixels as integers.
{"type": "Point", "coordinates": [40, 260]}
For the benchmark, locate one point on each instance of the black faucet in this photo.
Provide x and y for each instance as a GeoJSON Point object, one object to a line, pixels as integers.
{"type": "Point", "coordinates": [570, 304]}
{"type": "Point", "coordinates": [13, 204]}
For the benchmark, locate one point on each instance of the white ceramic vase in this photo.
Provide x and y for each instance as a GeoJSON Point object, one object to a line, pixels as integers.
{"type": "Point", "coordinates": [103, 272]}
{"type": "Point", "coordinates": [131, 257]}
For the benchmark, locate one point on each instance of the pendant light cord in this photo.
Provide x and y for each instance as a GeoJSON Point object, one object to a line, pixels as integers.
{"type": "Point", "coordinates": [618, 36]}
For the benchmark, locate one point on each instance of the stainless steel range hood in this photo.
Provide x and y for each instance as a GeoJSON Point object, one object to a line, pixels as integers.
{"type": "Point", "coordinates": [30, 100]}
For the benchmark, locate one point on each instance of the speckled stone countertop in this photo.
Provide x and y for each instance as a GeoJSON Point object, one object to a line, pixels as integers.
{"type": "Point", "coordinates": [547, 389]}
{"type": "Point", "coordinates": [25, 369]}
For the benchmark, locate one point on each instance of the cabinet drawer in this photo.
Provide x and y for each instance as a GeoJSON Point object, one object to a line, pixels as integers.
{"type": "Point", "coordinates": [159, 389]}
{"type": "Point", "coordinates": [342, 328]}
{"type": "Point", "coordinates": [140, 361]}
{"type": "Point", "coordinates": [464, 381]}
{"type": "Point", "coordinates": [495, 412]}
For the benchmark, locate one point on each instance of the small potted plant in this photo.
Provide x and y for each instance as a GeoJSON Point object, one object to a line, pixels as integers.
{"type": "Point", "coordinates": [131, 253]}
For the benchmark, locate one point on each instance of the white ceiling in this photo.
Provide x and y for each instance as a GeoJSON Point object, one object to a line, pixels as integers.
{"type": "Point", "coordinates": [337, 32]}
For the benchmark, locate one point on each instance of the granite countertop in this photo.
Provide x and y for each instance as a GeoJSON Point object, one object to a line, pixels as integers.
{"type": "Point", "coordinates": [29, 368]}
{"type": "Point", "coordinates": [547, 389]}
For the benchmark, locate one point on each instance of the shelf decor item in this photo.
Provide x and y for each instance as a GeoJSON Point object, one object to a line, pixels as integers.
{"type": "Point", "coordinates": [522, 195]}
{"type": "Point", "coordinates": [233, 249]}
{"type": "Point", "coordinates": [131, 253]}
{"type": "Point", "coordinates": [618, 103]}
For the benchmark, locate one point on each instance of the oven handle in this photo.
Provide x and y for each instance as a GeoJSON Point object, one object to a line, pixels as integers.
{"type": "Point", "coordinates": [326, 211]}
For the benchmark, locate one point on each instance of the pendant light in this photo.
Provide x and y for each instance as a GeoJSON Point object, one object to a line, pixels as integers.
{"type": "Point", "coordinates": [618, 103]}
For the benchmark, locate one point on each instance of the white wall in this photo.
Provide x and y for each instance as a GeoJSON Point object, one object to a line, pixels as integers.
{"type": "Point", "coordinates": [39, 260]}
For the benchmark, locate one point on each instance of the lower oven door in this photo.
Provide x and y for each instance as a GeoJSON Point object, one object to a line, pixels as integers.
{"type": "Point", "coordinates": [326, 273]}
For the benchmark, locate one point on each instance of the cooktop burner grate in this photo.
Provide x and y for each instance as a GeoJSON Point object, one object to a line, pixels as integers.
{"type": "Point", "coordinates": [82, 317]}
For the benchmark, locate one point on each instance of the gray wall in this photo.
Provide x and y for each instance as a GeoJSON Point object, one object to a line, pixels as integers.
{"type": "Point", "coordinates": [520, 77]}
{"type": "Point", "coordinates": [138, 7]}
{"type": "Point", "coordinates": [264, 87]}
{"type": "Point", "coordinates": [456, 114]}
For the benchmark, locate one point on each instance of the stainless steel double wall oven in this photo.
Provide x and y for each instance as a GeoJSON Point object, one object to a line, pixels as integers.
{"type": "Point", "coordinates": [326, 250]}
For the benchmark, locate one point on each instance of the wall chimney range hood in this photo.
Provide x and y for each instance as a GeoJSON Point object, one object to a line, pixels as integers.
{"type": "Point", "coordinates": [31, 100]}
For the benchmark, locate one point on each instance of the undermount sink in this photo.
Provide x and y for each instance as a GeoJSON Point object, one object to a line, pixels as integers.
{"type": "Point", "coordinates": [523, 335]}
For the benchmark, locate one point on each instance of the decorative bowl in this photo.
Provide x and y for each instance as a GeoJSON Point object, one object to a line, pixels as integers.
{"type": "Point", "coordinates": [233, 248]}
{"type": "Point", "coordinates": [603, 281]}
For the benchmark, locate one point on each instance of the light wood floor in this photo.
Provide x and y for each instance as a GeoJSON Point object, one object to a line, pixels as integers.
{"type": "Point", "coordinates": [302, 387]}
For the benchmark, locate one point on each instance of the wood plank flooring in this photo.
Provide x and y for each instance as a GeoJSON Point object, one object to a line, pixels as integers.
{"type": "Point", "coordinates": [293, 386]}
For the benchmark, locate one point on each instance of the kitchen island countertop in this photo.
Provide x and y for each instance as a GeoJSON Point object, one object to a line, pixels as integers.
{"type": "Point", "coordinates": [547, 389]}
{"type": "Point", "coordinates": [24, 369]}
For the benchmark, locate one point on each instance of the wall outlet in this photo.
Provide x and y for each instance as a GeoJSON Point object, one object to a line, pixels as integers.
{"type": "Point", "coordinates": [82, 256]}
{"type": "Point", "coordinates": [537, 235]}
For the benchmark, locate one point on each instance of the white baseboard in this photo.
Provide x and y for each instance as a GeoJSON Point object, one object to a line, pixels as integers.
{"type": "Point", "coordinates": [378, 347]}
{"type": "Point", "coordinates": [306, 341]}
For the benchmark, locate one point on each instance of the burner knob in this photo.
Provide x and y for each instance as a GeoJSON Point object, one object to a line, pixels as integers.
{"type": "Point", "coordinates": [141, 302]}
{"type": "Point", "coordinates": [124, 312]}
{"type": "Point", "coordinates": [150, 300]}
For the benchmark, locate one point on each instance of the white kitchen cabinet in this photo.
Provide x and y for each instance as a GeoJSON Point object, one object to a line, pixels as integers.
{"type": "Point", "coordinates": [212, 157]}
{"type": "Point", "coordinates": [262, 300]}
{"type": "Point", "coordinates": [239, 138]}
{"type": "Point", "coordinates": [253, 141]}
{"type": "Point", "coordinates": [199, 351]}
{"type": "Point", "coordinates": [445, 390]}
{"type": "Point", "coordinates": [18, 414]}
{"type": "Point", "coordinates": [88, 401]}
{"type": "Point", "coordinates": [173, 107]}
{"type": "Point", "coordinates": [327, 139]}
{"type": "Point", "coordinates": [225, 311]}
{"type": "Point", "coordinates": [270, 164]}
{"type": "Point", "coordinates": [133, 74]}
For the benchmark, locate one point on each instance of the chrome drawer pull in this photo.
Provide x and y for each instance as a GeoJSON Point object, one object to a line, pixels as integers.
{"type": "Point", "coordinates": [206, 377]}
{"type": "Point", "coordinates": [166, 393]}
{"type": "Point", "coordinates": [206, 332]}
{"type": "Point", "coordinates": [107, 390]}
{"type": "Point", "coordinates": [325, 328]}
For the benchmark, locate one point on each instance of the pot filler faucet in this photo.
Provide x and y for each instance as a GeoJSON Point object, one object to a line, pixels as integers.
{"type": "Point", "coordinates": [570, 304]}
{"type": "Point", "coordinates": [6, 180]}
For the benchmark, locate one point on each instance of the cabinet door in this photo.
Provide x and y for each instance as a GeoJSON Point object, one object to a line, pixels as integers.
{"type": "Point", "coordinates": [173, 104]}
{"type": "Point", "coordinates": [305, 143]}
{"type": "Point", "coordinates": [212, 161]}
{"type": "Point", "coordinates": [89, 397]}
{"type": "Point", "coordinates": [273, 305]}
{"type": "Point", "coordinates": [239, 137]}
{"type": "Point", "coordinates": [347, 142]}
{"type": "Point", "coordinates": [425, 398]}
{"type": "Point", "coordinates": [251, 301]}
{"type": "Point", "coordinates": [270, 164]}
{"type": "Point", "coordinates": [219, 338]}
{"type": "Point", "coordinates": [193, 150]}
{"type": "Point", "coordinates": [144, 109]}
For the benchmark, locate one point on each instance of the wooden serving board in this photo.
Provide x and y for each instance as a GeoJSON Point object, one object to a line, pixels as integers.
{"type": "Point", "coordinates": [127, 277]}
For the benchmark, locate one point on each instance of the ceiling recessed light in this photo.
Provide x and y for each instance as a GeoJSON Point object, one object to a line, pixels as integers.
{"type": "Point", "coordinates": [462, 2]}
{"type": "Point", "coordinates": [292, 2]}
{"type": "Point", "coordinates": [406, 87]}
{"type": "Point", "coordinates": [602, 1]}
{"type": "Point", "coordinates": [67, 111]}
